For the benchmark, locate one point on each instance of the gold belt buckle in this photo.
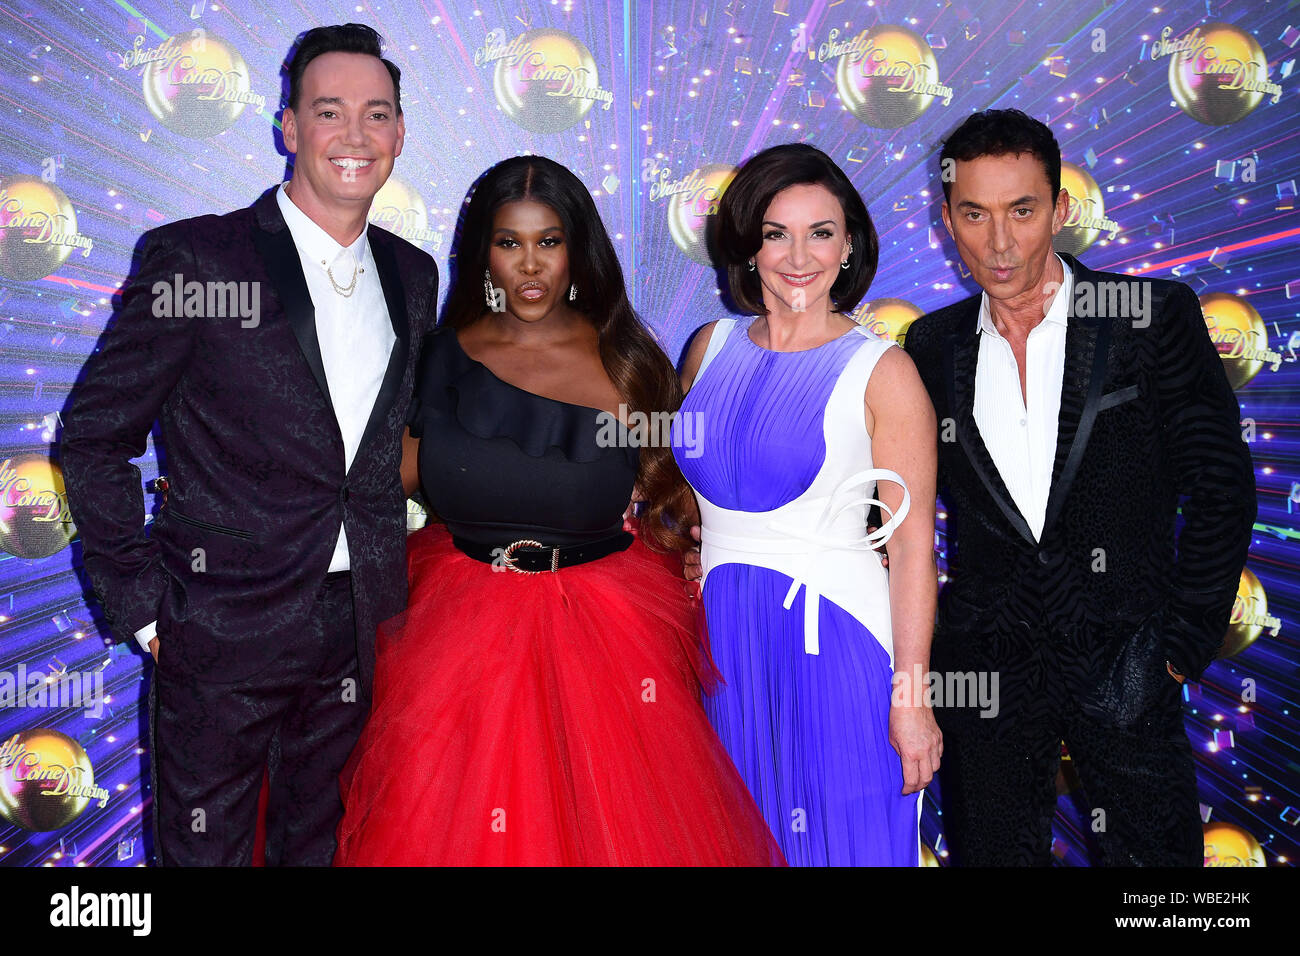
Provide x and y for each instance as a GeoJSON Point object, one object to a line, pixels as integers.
{"type": "Point", "coordinates": [507, 556]}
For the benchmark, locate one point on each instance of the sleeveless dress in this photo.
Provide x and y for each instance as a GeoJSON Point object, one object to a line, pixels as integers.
{"type": "Point", "coordinates": [795, 597]}
{"type": "Point", "coordinates": [546, 718]}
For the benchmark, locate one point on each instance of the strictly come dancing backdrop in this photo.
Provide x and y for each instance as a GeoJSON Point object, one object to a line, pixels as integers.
{"type": "Point", "coordinates": [1179, 135]}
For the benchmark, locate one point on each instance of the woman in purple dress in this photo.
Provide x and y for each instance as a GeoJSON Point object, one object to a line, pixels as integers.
{"type": "Point", "coordinates": [800, 412]}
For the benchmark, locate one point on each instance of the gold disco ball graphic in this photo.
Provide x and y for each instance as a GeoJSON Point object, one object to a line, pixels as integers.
{"type": "Point", "coordinates": [689, 211]}
{"type": "Point", "coordinates": [888, 317]}
{"type": "Point", "coordinates": [34, 517]}
{"type": "Point", "coordinates": [200, 87]}
{"type": "Point", "coordinates": [1220, 76]}
{"type": "Point", "coordinates": [1238, 332]}
{"type": "Point", "coordinates": [46, 780]}
{"type": "Point", "coordinates": [1085, 214]}
{"type": "Point", "coordinates": [1249, 615]}
{"type": "Point", "coordinates": [401, 210]}
{"type": "Point", "coordinates": [890, 77]}
{"type": "Point", "coordinates": [1227, 844]}
{"type": "Point", "coordinates": [548, 81]}
{"type": "Point", "coordinates": [38, 228]}
{"type": "Point", "coordinates": [927, 856]}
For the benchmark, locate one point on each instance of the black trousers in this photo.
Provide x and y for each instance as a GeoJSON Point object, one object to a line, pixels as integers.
{"type": "Point", "coordinates": [297, 722]}
{"type": "Point", "coordinates": [998, 783]}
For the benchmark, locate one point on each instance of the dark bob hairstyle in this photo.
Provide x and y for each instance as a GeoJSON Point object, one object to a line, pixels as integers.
{"type": "Point", "coordinates": [1002, 133]}
{"type": "Point", "coordinates": [742, 208]}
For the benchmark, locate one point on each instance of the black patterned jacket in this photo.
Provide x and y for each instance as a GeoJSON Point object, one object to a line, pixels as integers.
{"type": "Point", "coordinates": [253, 451]}
{"type": "Point", "coordinates": [1148, 422]}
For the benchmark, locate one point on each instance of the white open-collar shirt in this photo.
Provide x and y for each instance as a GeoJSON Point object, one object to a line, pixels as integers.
{"type": "Point", "coordinates": [1020, 431]}
{"type": "Point", "coordinates": [355, 332]}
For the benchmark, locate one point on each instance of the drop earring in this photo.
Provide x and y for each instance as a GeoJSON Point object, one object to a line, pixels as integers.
{"type": "Point", "coordinates": [489, 293]}
{"type": "Point", "coordinates": [845, 263]}
{"type": "Point", "coordinates": [752, 267]}
{"type": "Point", "coordinates": [573, 293]}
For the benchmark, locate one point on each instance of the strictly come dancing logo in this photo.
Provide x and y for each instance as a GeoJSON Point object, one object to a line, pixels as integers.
{"type": "Point", "coordinates": [690, 199]}
{"type": "Point", "coordinates": [398, 208]}
{"type": "Point", "coordinates": [34, 518]}
{"type": "Point", "coordinates": [46, 780]}
{"type": "Point", "coordinates": [1238, 333]}
{"type": "Point", "coordinates": [38, 228]}
{"type": "Point", "coordinates": [1085, 215]}
{"type": "Point", "coordinates": [545, 80]}
{"type": "Point", "coordinates": [1218, 73]}
{"type": "Point", "coordinates": [1227, 844]}
{"type": "Point", "coordinates": [886, 76]}
{"type": "Point", "coordinates": [887, 317]}
{"type": "Point", "coordinates": [196, 85]}
{"type": "Point", "coordinates": [1250, 616]}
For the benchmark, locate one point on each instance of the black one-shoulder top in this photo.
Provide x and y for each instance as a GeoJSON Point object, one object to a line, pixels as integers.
{"type": "Point", "coordinates": [499, 464]}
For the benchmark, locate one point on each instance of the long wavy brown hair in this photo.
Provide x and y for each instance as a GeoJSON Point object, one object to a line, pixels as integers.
{"type": "Point", "coordinates": [637, 366]}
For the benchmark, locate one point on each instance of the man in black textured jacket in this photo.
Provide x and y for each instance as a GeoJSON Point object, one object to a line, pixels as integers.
{"type": "Point", "coordinates": [1077, 411]}
{"type": "Point", "coordinates": [282, 544]}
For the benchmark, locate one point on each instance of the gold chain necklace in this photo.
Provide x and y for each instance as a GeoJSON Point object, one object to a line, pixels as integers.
{"type": "Point", "coordinates": [344, 290]}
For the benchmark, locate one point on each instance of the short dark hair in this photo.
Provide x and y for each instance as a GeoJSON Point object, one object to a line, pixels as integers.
{"type": "Point", "coordinates": [740, 222]}
{"type": "Point", "coordinates": [341, 38]}
{"type": "Point", "coordinates": [999, 133]}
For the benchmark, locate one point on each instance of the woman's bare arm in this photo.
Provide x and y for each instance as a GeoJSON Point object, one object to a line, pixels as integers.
{"type": "Point", "coordinates": [904, 436]}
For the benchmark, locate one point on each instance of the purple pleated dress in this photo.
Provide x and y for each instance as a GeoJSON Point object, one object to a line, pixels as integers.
{"type": "Point", "coordinates": [796, 600]}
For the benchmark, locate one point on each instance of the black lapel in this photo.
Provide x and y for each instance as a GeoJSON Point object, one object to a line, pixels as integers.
{"type": "Point", "coordinates": [275, 246]}
{"type": "Point", "coordinates": [395, 297]}
{"type": "Point", "coordinates": [1087, 341]}
{"type": "Point", "coordinates": [961, 353]}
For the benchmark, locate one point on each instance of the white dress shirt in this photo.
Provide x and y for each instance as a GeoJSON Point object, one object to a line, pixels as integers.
{"type": "Point", "coordinates": [355, 335]}
{"type": "Point", "coordinates": [355, 332]}
{"type": "Point", "coordinates": [1020, 431]}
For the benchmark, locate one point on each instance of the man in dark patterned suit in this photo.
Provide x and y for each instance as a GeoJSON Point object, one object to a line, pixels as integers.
{"type": "Point", "coordinates": [282, 543]}
{"type": "Point", "coordinates": [1077, 411]}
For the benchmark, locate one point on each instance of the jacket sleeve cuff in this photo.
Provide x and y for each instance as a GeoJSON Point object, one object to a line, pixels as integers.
{"type": "Point", "coordinates": [147, 634]}
{"type": "Point", "coordinates": [1193, 645]}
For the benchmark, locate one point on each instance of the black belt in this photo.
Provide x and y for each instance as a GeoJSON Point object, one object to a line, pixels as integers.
{"type": "Point", "coordinates": [531, 557]}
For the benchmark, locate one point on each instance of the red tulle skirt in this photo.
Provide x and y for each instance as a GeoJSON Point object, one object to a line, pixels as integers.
{"type": "Point", "coordinates": [544, 719]}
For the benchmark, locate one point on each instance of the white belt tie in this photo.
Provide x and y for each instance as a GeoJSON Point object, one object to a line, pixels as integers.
{"type": "Point", "coordinates": [821, 538]}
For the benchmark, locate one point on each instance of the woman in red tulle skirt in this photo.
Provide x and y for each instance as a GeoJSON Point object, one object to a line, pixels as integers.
{"type": "Point", "coordinates": [539, 701]}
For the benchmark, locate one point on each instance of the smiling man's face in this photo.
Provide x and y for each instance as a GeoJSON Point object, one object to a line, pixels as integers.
{"type": "Point", "coordinates": [345, 134]}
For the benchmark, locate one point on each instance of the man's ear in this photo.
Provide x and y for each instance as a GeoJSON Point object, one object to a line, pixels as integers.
{"type": "Point", "coordinates": [401, 135]}
{"type": "Point", "coordinates": [947, 218]}
{"type": "Point", "coordinates": [1061, 209]}
{"type": "Point", "coordinates": [289, 130]}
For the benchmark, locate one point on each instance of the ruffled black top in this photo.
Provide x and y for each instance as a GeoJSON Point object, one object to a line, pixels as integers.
{"type": "Point", "coordinates": [498, 463]}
